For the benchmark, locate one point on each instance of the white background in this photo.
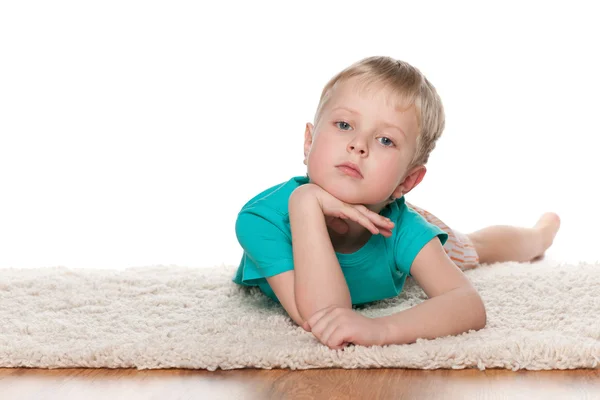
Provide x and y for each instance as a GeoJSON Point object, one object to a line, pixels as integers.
{"type": "Point", "coordinates": [131, 133]}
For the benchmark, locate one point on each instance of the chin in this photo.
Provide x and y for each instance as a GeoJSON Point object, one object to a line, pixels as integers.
{"type": "Point", "coordinates": [343, 191]}
{"type": "Point", "coordinates": [350, 198]}
{"type": "Point", "coordinates": [348, 190]}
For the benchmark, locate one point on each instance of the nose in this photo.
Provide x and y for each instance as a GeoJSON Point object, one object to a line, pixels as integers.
{"type": "Point", "coordinates": [357, 145]}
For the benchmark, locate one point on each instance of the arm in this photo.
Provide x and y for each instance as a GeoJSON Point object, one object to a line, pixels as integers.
{"type": "Point", "coordinates": [283, 287]}
{"type": "Point", "coordinates": [453, 307]}
{"type": "Point", "coordinates": [268, 253]}
{"type": "Point", "coordinates": [318, 280]}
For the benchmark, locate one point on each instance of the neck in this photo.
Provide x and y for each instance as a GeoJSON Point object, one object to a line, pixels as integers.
{"type": "Point", "coordinates": [356, 236]}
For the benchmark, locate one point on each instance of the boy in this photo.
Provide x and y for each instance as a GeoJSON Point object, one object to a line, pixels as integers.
{"type": "Point", "coordinates": [312, 244]}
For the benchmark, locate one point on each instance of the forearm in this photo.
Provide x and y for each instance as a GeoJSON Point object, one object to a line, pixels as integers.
{"type": "Point", "coordinates": [319, 281]}
{"type": "Point", "coordinates": [452, 313]}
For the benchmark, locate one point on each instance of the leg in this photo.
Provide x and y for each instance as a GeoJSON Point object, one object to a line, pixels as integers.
{"type": "Point", "coordinates": [458, 247]}
{"type": "Point", "coordinates": [501, 243]}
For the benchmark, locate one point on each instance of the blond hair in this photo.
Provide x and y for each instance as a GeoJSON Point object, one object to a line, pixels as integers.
{"type": "Point", "coordinates": [409, 86]}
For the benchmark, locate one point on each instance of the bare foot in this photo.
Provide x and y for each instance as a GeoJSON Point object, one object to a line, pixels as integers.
{"type": "Point", "coordinates": [548, 225]}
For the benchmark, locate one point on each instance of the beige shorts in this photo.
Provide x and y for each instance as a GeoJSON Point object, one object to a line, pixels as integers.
{"type": "Point", "coordinates": [459, 247]}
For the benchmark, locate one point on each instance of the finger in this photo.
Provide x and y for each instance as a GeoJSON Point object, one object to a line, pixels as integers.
{"type": "Point", "coordinates": [362, 219]}
{"type": "Point", "coordinates": [385, 232]}
{"type": "Point", "coordinates": [369, 224]}
{"type": "Point", "coordinates": [306, 326]}
{"type": "Point", "coordinates": [335, 339]}
{"type": "Point", "coordinates": [312, 321]}
{"type": "Point", "coordinates": [379, 220]}
{"type": "Point", "coordinates": [333, 324]}
{"type": "Point", "coordinates": [319, 327]}
{"type": "Point", "coordinates": [322, 326]}
{"type": "Point", "coordinates": [339, 338]}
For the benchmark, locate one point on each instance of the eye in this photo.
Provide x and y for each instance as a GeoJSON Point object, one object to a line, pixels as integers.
{"type": "Point", "coordinates": [391, 143]}
{"type": "Point", "coordinates": [342, 122]}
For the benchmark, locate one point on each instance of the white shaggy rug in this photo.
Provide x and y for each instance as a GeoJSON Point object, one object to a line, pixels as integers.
{"type": "Point", "coordinates": [540, 316]}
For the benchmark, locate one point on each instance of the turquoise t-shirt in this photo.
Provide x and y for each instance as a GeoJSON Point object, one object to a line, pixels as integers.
{"type": "Point", "coordinates": [376, 271]}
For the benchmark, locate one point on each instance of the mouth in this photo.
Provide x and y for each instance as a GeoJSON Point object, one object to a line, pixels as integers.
{"type": "Point", "coordinates": [350, 169]}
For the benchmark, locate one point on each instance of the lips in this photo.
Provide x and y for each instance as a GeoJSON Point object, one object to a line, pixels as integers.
{"type": "Point", "coordinates": [352, 167]}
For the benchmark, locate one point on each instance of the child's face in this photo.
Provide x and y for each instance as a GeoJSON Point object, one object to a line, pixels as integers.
{"type": "Point", "coordinates": [377, 137]}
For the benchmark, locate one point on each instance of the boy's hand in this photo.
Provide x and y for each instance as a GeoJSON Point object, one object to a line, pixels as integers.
{"type": "Point", "coordinates": [336, 326]}
{"type": "Point", "coordinates": [336, 210]}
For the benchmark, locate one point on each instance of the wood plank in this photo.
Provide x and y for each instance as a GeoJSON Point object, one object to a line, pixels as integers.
{"type": "Point", "coordinates": [32, 383]}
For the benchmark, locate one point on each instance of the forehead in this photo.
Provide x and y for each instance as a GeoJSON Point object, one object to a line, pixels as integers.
{"type": "Point", "coordinates": [356, 89]}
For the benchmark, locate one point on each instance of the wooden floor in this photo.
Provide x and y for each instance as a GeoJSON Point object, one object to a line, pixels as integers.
{"type": "Point", "coordinates": [24, 383]}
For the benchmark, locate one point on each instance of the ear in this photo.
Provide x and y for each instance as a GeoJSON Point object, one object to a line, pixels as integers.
{"type": "Point", "coordinates": [413, 178]}
{"type": "Point", "coordinates": [308, 134]}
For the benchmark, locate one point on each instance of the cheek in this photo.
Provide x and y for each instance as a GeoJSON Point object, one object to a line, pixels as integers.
{"type": "Point", "coordinates": [318, 160]}
{"type": "Point", "coordinates": [387, 158]}
{"type": "Point", "coordinates": [323, 148]}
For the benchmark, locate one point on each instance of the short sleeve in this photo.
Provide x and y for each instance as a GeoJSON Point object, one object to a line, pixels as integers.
{"type": "Point", "coordinates": [267, 248]}
{"type": "Point", "coordinates": [414, 233]}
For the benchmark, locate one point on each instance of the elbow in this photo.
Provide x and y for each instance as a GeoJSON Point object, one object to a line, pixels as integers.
{"type": "Point", "coordinates": [481, 314]}
{"type": "Point", "coordinates": [473, 309]}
